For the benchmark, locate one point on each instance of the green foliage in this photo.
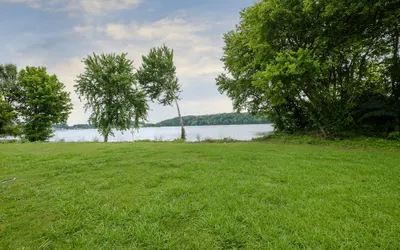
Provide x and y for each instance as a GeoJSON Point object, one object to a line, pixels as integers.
{"type": "Point", "coordinates": [223, 140]}
{"type": "Point", "coordinates": [41, 102]}
{"type": "Point", "coordinates": [216, 119]}
{"type": "Point", "coordinates": [157, 75]}
{"type": "Point", "coordinates": [75, 126]}
{"type": "Point", "coordinates": [31, 102]}
{"type": "Point", "coordinates": [111, 92]}
{"type": "Point", "coordinates": [7, 118]}
{"type": "Point", "coordinates": [310, 64]}
{"type": "Point", "coordinates": [8, 82]}
{"type": "Point", "coordinates": [394, 136]}
{"type": "Point", "coordinates": [199, 120]}
{"type": "Point", "coordinates": [178, 140]}
{"type": "Point", "coordinates": [213, 196]}
{"type": "Point", "coordinates": [347, 140]}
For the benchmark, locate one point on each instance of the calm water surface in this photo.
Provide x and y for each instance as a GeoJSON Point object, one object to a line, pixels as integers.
{"type": "Point", "coordinates": [239, 132]}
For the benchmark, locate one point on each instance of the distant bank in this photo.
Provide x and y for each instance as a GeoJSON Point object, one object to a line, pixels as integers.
{"type": "Point", "coordinates": [192, 120]}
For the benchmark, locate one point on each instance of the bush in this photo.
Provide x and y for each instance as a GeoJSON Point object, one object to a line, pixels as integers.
{"type": "Point", "coordinates": [223, 140]}
{"type": "Point", "coordinates": [145, 140]}
{"type": "Point", "coordinates": [391, 143]}
{"type": "Point", "coordinates": [11, 141]}
{"type": "Point", "coordinates": [96, 139]}
{"type": "Point", "coordinates": [178, 140]}
{"type": "Point", "coordinates": [158, 139]}
{"type": "Point", "coordinates": [394, 136]}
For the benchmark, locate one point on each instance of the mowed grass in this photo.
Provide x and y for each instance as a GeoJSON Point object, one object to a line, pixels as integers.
{"type": "Point", "coordinates": [198, 196]}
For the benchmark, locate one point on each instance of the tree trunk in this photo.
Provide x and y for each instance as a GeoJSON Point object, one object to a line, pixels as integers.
{"type": "Point", "coordinates": [309, 94]}
{"type": "Point", "coordinates": [183, 132]}
{"type": "Point", "coordinates": [106, 138]}
{"type": "Point", "coordinates": [396, 78]}
{"type": "Point", "coordinates": [322, 131]}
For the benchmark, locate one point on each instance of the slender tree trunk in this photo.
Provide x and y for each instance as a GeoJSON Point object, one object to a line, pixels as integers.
{"type": "Point", "coordinates": [106, 134]}
{"type": "Point", "coordinates": [309, 94]}
{"type": "Point", "coordinates": [183, 132]}
{"type": "Point", "coordinates": [396, 78]}
{"type": "Point", "coordinates": [322, 131]}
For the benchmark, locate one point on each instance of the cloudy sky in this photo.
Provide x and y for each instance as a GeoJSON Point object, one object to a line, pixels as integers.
{"type": "Point", "coordinates": [57, 34]}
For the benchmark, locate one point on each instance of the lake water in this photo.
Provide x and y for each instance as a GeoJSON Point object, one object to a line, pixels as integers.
{"type": "Point", "coordinates": [238, 132]}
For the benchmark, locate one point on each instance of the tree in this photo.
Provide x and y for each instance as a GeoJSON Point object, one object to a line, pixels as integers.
{"type": "Point", "coordinates": [7, 118]}
{"type": "Point", "coordinates": [110, 89]}
{"type": "Point", "coordinates": [158, 77]}
{"type": "Point", "coordinates": [8, 77]}
{"type": "Point", "coordinates": [8, 82]}
{"type": "Point", "coordinates": [42, 102]}
{"type": "Point", "coordinates": [310, 64]}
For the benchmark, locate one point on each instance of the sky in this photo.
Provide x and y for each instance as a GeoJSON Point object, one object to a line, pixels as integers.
{"type": "Point", "coordinates": [58, 34]}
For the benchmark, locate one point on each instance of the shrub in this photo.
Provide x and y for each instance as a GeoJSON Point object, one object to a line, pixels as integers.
{"type": "Point", "coordinates": [178, 140]}
{"type": "Point", "coordinates": [62, 140]}
{"type": "Point", "coordinates": [96, 139]}
{"type": "Point", "coordinates": [394, 136]}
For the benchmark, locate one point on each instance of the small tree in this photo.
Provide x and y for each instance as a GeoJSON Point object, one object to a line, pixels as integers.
{"type": "Point", "coordinates": [157, 75]}
{"type": "Point", "coordinates": [42, 102]}
{"type": "Point", "coordinates": [110, 89]}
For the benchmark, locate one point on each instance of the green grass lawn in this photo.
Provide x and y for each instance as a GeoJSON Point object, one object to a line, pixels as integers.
{"type": "Point", "coordinates": [198, 196]}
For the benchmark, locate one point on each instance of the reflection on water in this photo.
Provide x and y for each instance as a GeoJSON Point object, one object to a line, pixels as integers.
{"type": "Point", "coordinates": [238, 132]}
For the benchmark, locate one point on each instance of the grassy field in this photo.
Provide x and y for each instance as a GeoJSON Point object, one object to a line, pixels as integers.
{"type": "Point", "coordinates": [198, 196]}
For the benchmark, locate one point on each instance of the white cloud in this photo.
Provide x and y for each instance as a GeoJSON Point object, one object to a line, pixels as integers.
{"type": "Point", "coordinates": [166, 29]}
{"type": "Point", "coordinates": [93, 7]}
{"type": "Point", "coordinates": [196, 52]}
{"type": "Point", "coordinates": [83, 29]}
{"type": "Point", "coordinates": [117, 31]}
{"type": "Point", "coordinates": [208, 106]}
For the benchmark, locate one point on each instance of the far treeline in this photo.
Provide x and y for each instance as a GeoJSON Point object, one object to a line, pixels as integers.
{"type": "Point", "coordinates": [217, 119]}
{"type": "Point", "coordinates": [192, 120]}
{"type": "Point", "coordinates": [330, 67]}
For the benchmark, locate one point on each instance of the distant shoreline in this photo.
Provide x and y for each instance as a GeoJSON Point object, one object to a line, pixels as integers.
{"type": "Point", "coordinates": [194, 120]}
{"type": "Point", "coordinates": [172, 126]}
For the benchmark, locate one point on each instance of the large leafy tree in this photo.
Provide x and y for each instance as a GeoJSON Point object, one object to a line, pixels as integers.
{"type": "Point", "coordinates": [42, 102]}
{"type": "Point", "coordinates": [158, 77]}
{"type": "Point", "coordinates": [310, 64]}
{"type": "Point", "coordinates": [110, 89]}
